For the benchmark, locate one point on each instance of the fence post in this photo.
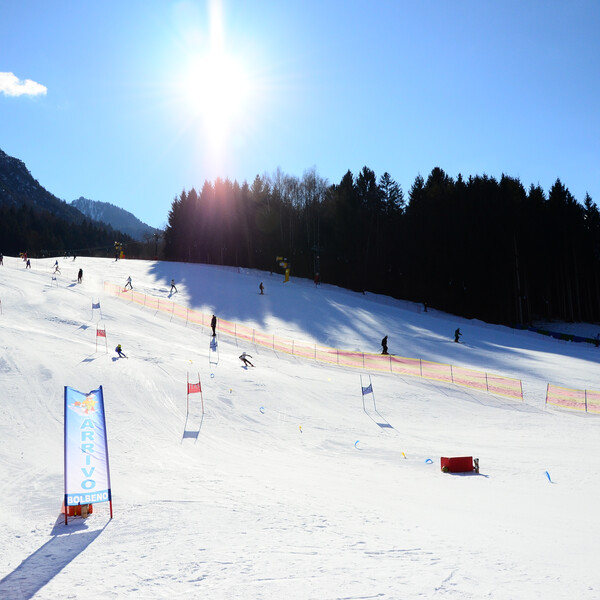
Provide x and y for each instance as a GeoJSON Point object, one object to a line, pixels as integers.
{"type": "Point", "coordinates": [487, 388]}
{"type": "Point", "coordinates": [451, 374]}
{"type": "Point", "coordinates": [363, 360]}
{"type": "Point", "coordinates": [391, 370]}
{"type": "Point", "coordinates": [421, 367]}
{"type": "Point", "coordinates": [585, 397]}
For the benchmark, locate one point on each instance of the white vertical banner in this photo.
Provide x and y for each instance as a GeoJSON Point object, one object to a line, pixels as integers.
{"type": "Point", "coordinates": [87, 473]}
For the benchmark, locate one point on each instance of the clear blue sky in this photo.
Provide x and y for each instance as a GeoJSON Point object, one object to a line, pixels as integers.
{"type": "Point", "coordinates": [131, 101]}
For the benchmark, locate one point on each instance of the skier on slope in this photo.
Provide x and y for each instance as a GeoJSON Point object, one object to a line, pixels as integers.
{"type": "Point", "coordinates": [173, 287]}
{"type": "Point", "coordinates": [243, 358]}
{"type": "Point", "coordinates": [128, 283]}
{"type": "Point", "coordinates": [457, 334]}
{"type": "Point", "coordinates": [119, 351]}
{"type": "Point", "coordinates": [384, 345]}
{"type": "Point", "coordinates": [213, 324]}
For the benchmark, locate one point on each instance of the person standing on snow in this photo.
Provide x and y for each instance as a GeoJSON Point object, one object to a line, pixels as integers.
{"type": "Point", "coordinates": [128, 283]}
{"type": "Point", "coordinates": [173, 286]}
{"type": "Point", "coordinates": [384, 345]}
{"type": "Point", "coordinates": [243, 358]}
{"type": "Point", "coordinates": [457, 334]}
{"type": "Point", "coordinates": [213, 324]}
{"type": "Point", "coordinates": [261, 287]}
{"type": "Point", "coordinates": [80, 276]}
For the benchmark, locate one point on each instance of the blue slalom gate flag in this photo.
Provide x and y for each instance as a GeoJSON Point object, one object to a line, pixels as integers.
{"type": "Point", "coordinates": [96, 304]}
{"type": "Point", "coordinates": [368, 389]}
{"type": "Point", "coordinates": [87, 473]}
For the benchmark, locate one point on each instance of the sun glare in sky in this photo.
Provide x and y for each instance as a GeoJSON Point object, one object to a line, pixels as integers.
{"type": "Point", "coordinates": [216, 89]}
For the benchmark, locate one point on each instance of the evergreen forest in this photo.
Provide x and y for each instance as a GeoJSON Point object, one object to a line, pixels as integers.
{"type": "Point", "coordinates": [481, 248]}
{"type": "Point", "coordinates": [42, 233]}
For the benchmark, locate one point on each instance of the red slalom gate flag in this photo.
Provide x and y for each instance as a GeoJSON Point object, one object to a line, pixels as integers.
{"type": "Point", "coordinates": [101, 333]}
{"type": "Point", "coordinates": [194, 388]}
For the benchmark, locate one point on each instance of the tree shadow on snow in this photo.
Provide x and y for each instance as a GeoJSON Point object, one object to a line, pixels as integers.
{"type": "Point", "coordinates": [66, 543]}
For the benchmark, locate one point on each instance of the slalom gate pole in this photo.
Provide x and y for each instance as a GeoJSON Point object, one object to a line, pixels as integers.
{"type": "Point", "coordinates": [201, 393]}
{"type": "Point", "coordinates": [361, 393]}
{"type": "Point", "coordinates": [372, 393]}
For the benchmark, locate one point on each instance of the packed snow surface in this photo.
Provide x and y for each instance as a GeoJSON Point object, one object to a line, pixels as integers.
{"type": "Point", "coordinates": [288, 487]}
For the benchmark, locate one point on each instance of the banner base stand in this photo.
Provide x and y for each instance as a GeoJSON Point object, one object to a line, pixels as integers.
{"type": "Point", "coordinates": [78, 510]}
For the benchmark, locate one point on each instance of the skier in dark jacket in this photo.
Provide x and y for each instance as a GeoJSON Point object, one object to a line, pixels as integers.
{"type": "Point", "coordinates": [384, 345]}
{"type": "Point", "coordinates": [243, 358]}
{"type": "Point", "coordinates": [213, 324]}
{"type": "Point", "coordinates": [80, 276]}
{"type": "Point", "coordinates": [119, 351]}
{"type": "Point", "coordinates": [457, 334]}
{"type": "Point", "coordinates": [173, 287]}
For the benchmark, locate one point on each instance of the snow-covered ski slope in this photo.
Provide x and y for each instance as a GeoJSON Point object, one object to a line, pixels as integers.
{"type": "Point", "coordinates": [286, 487]}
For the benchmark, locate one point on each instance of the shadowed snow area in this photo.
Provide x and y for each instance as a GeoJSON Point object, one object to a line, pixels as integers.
{"type": "Point", "coordinates": [291, 484]}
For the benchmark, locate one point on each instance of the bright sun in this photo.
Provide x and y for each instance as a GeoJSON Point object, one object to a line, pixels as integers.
{"type": "Point", "coordinates": [217, 90]}
{"type": "Point", "coordinates": [216, 85]}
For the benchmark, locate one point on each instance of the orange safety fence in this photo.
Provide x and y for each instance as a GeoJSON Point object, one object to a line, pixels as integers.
{"type": "Point", "coordinates": [584, 400]}
{"type": "Point", "coordinates": [416, 367]}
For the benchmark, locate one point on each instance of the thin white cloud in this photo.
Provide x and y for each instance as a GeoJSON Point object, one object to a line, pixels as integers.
{"type": "Point", "coordinates": [11, 85]}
